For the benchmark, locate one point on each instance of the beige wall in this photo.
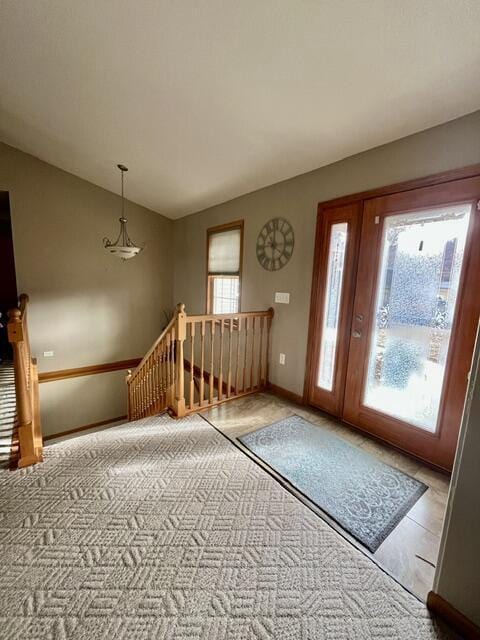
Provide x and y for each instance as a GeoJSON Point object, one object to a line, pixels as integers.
{"type": "Point", "coordinates": [452, 145]}
{"type": "Point", "coordinates": [90, 308]}
{"type": "Point", "coordinates": [457, 578]}
{"type": "Point", "coordinates": [86, 306]}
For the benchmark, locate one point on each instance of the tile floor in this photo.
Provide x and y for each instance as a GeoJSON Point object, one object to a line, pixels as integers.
{"type": "Point", "coordinates": [410, 552]}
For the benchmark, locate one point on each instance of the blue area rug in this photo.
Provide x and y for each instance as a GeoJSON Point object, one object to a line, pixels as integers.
{"type": "Point", "coordinates": [367, 497]}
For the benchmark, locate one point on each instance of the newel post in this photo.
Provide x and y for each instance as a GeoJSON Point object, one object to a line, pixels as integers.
{"type": "Point", "coordinates": [26, 435]}
{"type": "Point", "coordinates": [180, 335]}
{"type": "Point", "coordinates": [129, 399]}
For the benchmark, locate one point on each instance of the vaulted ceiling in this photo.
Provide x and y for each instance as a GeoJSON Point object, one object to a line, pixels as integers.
{"type": "Point", "coordinates": [206, 100]}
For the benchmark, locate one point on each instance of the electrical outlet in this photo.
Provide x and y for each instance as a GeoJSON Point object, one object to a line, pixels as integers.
{"type": "Point", "coordinates": [48, 354]}
{"type": "Point", "coordinates": [282, 298]}
{"type": "Point", "coordinates": [282, 358]}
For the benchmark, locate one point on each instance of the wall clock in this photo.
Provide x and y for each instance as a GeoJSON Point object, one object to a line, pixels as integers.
{"type": "Point", "coordinates": [275, 244]}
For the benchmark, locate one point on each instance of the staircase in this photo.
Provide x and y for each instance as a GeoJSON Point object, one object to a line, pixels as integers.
{"type": "Point", "coordinates": [8, 416]}
{"type": "Point", "coordinates": [200, 361]}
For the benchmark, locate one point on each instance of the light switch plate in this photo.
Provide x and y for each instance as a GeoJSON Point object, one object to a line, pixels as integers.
{"type": "Point", "coordinates": [282, 298]}
{"type": "Point", "coordinates": [282, 358]}
{"type": "Point", "coordinates": [48, 354]}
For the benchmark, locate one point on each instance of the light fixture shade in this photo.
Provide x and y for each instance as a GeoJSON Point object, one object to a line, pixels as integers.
{"type": "Point", "coordinates": [123, 247]}
{"type": "Point", "coordinates": [123, 252]}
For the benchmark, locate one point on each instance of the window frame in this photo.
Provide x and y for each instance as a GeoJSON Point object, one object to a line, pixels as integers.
{"type": "Point", "coordinates": [236, 224]}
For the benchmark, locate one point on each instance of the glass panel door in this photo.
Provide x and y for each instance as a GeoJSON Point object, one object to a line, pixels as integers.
{"type": "Point", "coordinates": [417, 288]}
{"type": "Point", "coordinates": [415, 317]}
{"type": "Point", "coordinates": [394, 314]}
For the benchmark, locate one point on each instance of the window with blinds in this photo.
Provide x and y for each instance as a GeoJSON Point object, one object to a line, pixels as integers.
{"type": "Point", "coordinates": [224, 268]}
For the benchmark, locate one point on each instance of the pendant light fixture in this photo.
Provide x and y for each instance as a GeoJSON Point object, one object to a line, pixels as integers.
{"type": "Point", "coordinates": [123, 247]}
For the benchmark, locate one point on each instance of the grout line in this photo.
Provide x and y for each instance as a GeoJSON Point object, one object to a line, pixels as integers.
{"type": "Point", "coordinates": [422, 526]}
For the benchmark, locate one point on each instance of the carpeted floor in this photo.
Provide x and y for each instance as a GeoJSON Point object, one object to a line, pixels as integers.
{"type": "Point", "coordinates": [164, 529]}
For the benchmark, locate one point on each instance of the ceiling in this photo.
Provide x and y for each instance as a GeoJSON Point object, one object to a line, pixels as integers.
{"type": "Point", "coordinates": [206, 100]}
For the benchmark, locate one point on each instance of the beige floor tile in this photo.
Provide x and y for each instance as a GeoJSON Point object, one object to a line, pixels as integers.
{"type": "Point", "coordinates": [429, 511]}
{"type": "Point", "coordinates": [392, 457]}
{"type": "Point", "coordinates": [438, 481]}
{"type": "Point", "coordinates": [400, 552]}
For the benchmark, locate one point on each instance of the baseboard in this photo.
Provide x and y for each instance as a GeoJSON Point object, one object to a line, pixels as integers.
{"type": "Point", "coordinates": [456, 620]}
{"type": "Point", "coordinates": [285, 393]}
{"type": "Point", "coordinates": [101, 423]}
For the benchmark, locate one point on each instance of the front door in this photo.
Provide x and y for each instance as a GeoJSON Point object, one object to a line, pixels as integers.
{"type": "Point", "coordinates": [394, 359]}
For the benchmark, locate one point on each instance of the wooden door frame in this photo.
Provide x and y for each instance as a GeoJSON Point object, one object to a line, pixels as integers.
{"type": "Point", "coordinates": [443, 178]}
{"type": "Point", "coordinates": [352, 214]}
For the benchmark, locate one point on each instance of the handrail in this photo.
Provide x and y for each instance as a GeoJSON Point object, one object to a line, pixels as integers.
{"type": "Point", "coordinates": [233, 316]}
{"type": "Point", "coordinates": [154, 345]}
{"type": "Point", "coordinates": [26, 386]}
{"type": "Point", "coordinates": [223, 355]}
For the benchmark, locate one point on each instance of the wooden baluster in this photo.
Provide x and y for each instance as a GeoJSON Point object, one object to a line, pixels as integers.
{"type": "Point", "coordinates": [142, 395]}
{"type": "Point", "coordinates": [260, 354]}
{"type": "Point", "coordinates": [252, 360]}
{"type": "Point", "coordinates": [159, 378]}
{"type": "Point", "coordinates": [211, 376]}
{"type": "Point", "coordinates": [129, 395]}
{"type": "Point", "coordinates": [154, 382]}
{"type": "Point", "coordinates": [145, 378]}
{"type": "Point", "coordinates": [229, 374]}
{"type": "Point", "coordinates": [162, 374]}
{"type": "Point", "coordinates": [148, 374]}
{"type": "Point", "coordinates": [168, 369]}
{"type": "Point", "coordinates": [139, 395]}
{"type": "Point", "coordinates": [135, 400]}
{"type": "Point", "coordinates": [165, 371]}
{"type": "Point", "coordinates": [152, 385]}
{"type": "Point", "coordinates": [180, 335]}
{"type": "Point", "coordinates": [201, 391]}
{"type": "Point", "coordinates": [158, 400]}
{"type": "Point", "coordinates": [220, 370]}
{"type": "Point", "coordinates": [192, 364]}
{"type": "Point", "coordinates": [245, 354]}
{"type": "Point", "coordinates": [267, 350]}
{"type": "Point", "coordinates": [172, 368]}
{"type": "Point", "coordinates": [237, 365]}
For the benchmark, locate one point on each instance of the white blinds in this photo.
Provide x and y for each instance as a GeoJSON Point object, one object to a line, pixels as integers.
{"type": "Point", "coordinates": [224, 252]}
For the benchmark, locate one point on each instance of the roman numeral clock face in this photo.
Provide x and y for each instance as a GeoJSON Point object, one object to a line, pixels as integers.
{"type": "Point", "coordinates": [275, 244]}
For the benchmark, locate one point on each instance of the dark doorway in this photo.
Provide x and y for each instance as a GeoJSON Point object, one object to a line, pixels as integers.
{"type": "Point", "coordinates": [8, 280]}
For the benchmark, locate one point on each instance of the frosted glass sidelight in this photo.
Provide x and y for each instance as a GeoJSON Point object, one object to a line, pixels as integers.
{"type": "Point", "coordinates": [421, 260]}
{"type": "Point", "coordinates": [331, 307]}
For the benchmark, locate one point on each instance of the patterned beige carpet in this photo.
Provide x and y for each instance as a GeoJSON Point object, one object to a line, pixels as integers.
{"type": "Point", "coordinates": [164, 529]}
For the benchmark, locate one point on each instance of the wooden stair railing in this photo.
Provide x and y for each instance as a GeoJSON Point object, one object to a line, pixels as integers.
{"type": "Point", "coordinates": [26, 387]}
{"type": "Point", "coordinates": [200, 361]}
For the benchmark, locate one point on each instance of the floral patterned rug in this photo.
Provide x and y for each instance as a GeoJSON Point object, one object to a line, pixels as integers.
{"type": "Point", "coordinates": [367, 497]}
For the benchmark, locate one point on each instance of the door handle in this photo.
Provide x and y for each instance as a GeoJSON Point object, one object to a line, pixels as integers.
{"type": "Point", "coordinates": [356, 334]}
